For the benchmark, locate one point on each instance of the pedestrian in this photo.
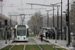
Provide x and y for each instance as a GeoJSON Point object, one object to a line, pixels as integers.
{"type": "Point", "coordinates": [46, 34]}
{"type": "Point", "coordinates": [41, 35]}
{"type": "Point", "coordinates": [49, 35]}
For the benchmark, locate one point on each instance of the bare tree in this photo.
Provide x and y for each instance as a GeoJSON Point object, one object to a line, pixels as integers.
{"type": "Point", "coordinates": [35, 22]}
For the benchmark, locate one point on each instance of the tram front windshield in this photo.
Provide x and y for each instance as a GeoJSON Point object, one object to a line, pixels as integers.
{"type": "Point", "coordinates": [21, 31]}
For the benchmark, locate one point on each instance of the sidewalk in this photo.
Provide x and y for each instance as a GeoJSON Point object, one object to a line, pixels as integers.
{"type": "Point", "coordinates": [2, 43]}
{"type": "Point", "coordinates": [61, 43]}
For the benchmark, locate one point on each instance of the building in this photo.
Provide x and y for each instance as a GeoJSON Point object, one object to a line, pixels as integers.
{"type": "Point", "coordinates": [2, 25]}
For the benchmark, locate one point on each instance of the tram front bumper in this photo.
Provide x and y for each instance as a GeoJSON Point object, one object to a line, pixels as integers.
{"type": "Point", "coordinates": [21, 39]}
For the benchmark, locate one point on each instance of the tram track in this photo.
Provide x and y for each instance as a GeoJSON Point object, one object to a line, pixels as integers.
{"type": "Point", "coordinates": [38, 44]}
{"type": "Point", "coordinates": [35, 42]}
{"type": "Point", "coordinates": [12, 46]}
{"type": "Point", "coordinates": [46, 43]}
{"type": "Point", "coordinates": [22, 43]}
{"type": "Point", "coordinates": [16, 43]}
{"type": "Point", "coordinates": [24, 46]}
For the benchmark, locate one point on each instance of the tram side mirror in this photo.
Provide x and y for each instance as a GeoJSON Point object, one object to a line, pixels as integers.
{"type": "Point", "coordinates": [27, 32]}
{"type": "Point", "coordinates": [14, 30]}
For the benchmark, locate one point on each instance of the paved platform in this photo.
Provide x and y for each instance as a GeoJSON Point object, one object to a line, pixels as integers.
{"type": "Point", "coordinates": [2, 43]}
{"type": "Point", "coordinates": [61, 43]}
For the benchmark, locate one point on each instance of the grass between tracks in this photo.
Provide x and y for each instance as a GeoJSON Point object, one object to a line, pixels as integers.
{"type": "Point", "coordinates": [47, 47]}
{"type": "Point", "coordinates": [32, 47]}
{"type": "Point", "coordinates": [6, 48]}
{"type": "Point", "coordinates": [18, 47]}
{"type": "Point", "coordinates": [59, 48]}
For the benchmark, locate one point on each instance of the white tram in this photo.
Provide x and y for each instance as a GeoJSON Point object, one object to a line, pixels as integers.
{"type": "Point", "coordinates": [21, 33]}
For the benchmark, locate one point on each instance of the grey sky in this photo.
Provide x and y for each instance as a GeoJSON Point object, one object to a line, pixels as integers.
{"type": "Point", "coordinates": [14, 6]}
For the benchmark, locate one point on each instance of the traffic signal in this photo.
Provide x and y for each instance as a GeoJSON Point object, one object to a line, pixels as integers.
{"type": "Point", "coordinates": [67, 19]}
{"type": "Point", "coordinates": [6, 22]}
{"type": "Point", "coordinates": [0, 24]}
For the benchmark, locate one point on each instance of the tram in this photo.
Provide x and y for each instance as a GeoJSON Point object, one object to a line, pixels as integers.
{"type": "Point", "coordinates": [20, 33]}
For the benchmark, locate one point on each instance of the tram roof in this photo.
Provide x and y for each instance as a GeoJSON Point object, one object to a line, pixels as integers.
{"type": "Point", "coordinates": [18, 25]}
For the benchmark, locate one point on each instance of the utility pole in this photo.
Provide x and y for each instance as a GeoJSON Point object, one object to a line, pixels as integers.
{"type": "Point", "coordinates": [68, 25]}
{"type": "Point", "coordinates": [57, 24]}
{"type": "Point", "coordinates": [53, 17]}
{"type": "Point", "coordinates": [61, 21]}
{"type": "Point", "coordinates": [16, 20]}
{"type": "Point", "coordinates": [47, 19]}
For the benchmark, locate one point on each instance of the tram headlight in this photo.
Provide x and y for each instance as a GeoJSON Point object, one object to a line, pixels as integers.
{"type": "Point", "coordinates": [18, 38]}
{"type": "Point", "coordinates": [24, 37]}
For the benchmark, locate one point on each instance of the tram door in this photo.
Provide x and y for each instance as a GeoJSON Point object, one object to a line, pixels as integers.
{"type": "Point", "coordinates": [27, 32]}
